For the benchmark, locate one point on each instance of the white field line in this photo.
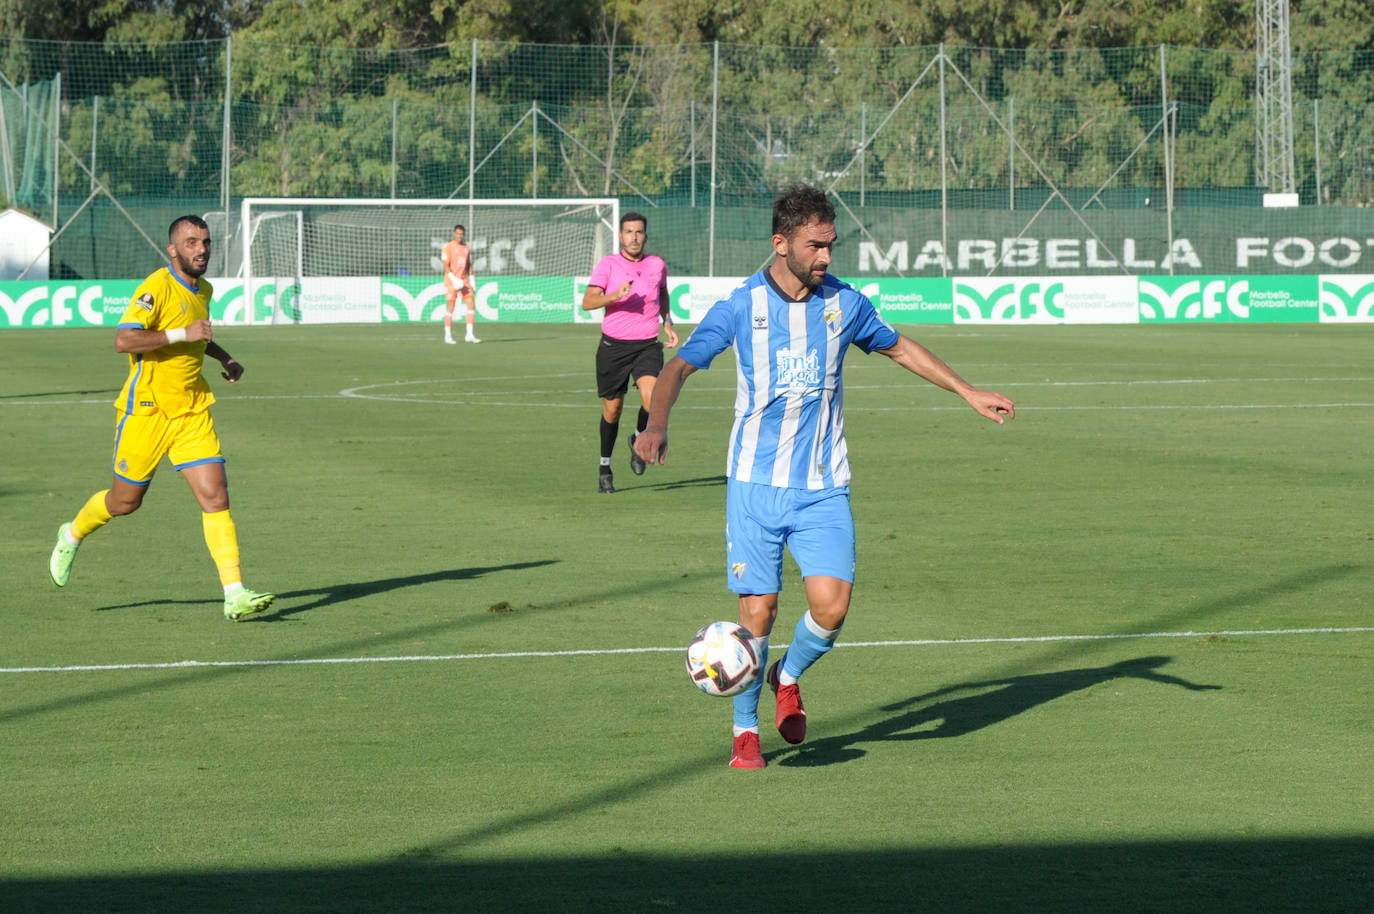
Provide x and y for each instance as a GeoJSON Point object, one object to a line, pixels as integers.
{"type": "Point", "coordinates": [604, 652]}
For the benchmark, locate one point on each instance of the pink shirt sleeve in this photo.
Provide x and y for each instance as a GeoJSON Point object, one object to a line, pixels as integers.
{"type": "Point", "coordinates": [601, 274]}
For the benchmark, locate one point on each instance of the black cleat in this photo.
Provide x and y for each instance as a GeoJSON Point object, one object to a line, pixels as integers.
{"type": "Point", "coordinates": [636, 462]}
{"type": "Point", "coordinates": [607, 486]}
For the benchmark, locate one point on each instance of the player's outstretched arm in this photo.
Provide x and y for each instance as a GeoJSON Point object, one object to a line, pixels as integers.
{"type": "Point", "coordinates": [923, 363]}
{"type": "Point", "coordinates": [652, 443]}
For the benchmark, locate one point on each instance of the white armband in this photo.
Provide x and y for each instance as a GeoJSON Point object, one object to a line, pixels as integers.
{"type": "Point", "coordinates": [176, 336]}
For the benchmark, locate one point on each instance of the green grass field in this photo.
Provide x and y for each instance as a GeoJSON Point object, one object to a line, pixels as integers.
{"type": "Point", "coordinates": [1115, 656]}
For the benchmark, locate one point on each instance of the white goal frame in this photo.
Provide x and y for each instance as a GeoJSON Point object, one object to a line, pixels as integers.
{"type": "Point", "coordinates": [248, 203]}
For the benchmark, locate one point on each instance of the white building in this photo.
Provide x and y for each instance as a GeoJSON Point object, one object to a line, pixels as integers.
{"type": "Point", "coordinates": [23, 246]}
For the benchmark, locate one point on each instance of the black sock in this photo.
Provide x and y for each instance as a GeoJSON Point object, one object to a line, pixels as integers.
{"type": "Point", "coordinates": [643, 422]}
{"type": "Point", "coordinates": [609, 431]}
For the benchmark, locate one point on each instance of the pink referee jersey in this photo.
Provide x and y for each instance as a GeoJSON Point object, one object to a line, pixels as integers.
{"type": "Point", "coordinates": [634, 317]}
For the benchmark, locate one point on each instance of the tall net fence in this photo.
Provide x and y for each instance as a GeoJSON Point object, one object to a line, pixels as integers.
{"type": "Point", "coordinates": [941, 159]}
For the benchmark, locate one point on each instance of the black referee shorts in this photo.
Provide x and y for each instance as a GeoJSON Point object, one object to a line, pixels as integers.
{"type": "Point", "coordinates": [619, 360]}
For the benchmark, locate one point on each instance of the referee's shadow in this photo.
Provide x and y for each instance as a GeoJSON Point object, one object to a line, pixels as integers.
{"type": "Point", "coordinates": [946, 713]}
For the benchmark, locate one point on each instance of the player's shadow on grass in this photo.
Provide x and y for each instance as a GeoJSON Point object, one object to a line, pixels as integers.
{"type": "Point", "coordinates": [699, 482]}
{"type": "Point", "coordinates": [60, 393]}
{"type": "Point", "coordinates": [342, 593]}
{"type": "Point", "coordinates": [948, 712]}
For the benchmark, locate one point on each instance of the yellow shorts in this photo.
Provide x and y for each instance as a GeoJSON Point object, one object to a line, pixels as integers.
{"type": "Point", "coordinates": [140, 442]}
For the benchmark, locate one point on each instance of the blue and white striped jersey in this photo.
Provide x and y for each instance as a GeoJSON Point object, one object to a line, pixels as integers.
{"type": "Point", "coordinates": [789, 403]}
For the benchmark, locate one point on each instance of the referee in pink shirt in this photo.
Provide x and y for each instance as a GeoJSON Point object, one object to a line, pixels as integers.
{"type": "Point", "coordinates": [633, 288]}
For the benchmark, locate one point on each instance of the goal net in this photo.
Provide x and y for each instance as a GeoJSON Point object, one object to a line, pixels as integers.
{"type": "Point", "coordinates": [290, 239]}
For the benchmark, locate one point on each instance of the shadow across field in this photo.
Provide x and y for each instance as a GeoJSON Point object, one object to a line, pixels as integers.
{"type": "Point", "coordinates": [946, 712]}
{"type": "Point", "coordinates": [1272, 875]}
{"type": "Point", "coordinates": [343, 648]}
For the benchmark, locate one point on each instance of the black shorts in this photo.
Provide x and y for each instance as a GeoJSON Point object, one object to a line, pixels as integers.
{"type": "Point", "coordinates": [619, 360]}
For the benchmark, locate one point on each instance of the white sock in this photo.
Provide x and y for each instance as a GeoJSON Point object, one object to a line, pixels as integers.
{"type": "Point", "coordinates": [69, 539]}
{"type": "Point", "coordinates": [739, 730]}
{"type": "Point", "coordinates": [233, 590]}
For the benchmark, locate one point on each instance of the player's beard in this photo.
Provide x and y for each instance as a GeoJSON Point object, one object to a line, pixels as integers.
{"type": "Point", "coordinates": [803, 272]}
{"type": "Point", "coordinates": [189, 267]}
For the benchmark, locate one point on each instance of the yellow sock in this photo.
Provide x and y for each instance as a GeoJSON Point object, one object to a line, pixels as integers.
{"type": "Point", "coordinates": [223, 540]}
{"type": "Point", "coordinates": [92, 516]}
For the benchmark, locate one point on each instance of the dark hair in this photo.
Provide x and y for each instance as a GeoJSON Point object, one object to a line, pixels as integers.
{"type": "Point", "coordinates": [459, 228]}
{"type": "Point", "coordinates": [189, 220]}
{"type": "Point", "coordinates": [634, 217]}
{"type": "Point", "coordinates": [796, 206]}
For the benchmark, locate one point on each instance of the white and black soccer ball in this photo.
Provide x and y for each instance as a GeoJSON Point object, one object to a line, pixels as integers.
{"type": "Point", "coordinates": [721, 659]}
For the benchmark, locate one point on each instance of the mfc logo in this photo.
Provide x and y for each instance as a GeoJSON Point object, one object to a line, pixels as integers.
{"type": "Point", "coordinates": [796, 372]}
{"type": "Point", "coordinates": [401, 304]}
{"type": "Point", "coordinates": [1195, 300]}
{"type": "Point", "coordinates": [1009, 302]}
{"type": "Point", "coordinates": [1348, 298]}
{"type": "Point", "coordinates": [492, 255]}
{"type": "Point", "coordinates": [55, 306]}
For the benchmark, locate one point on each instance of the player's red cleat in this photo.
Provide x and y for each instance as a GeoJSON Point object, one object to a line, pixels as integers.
{"type": "Point", "coordinates": [746, 752]}
{"type": "Point", "coordinates": [791, 717]}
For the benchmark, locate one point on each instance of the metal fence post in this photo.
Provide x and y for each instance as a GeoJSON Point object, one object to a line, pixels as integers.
{"type": "Point", "coordinates": [395, 116]}
{"type": "Point", "coordinates": [1168, 154]}
{"type": "Point", "coordinates": [715, 118]}
{"type": "Point", "coordinates": [944, 178]}
{"type": "Point", "coordinates": [1317, 147]}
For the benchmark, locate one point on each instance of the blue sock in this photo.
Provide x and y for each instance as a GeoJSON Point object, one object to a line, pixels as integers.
{"type": "Point", "coordinates": [809, 644]}
{"type": "Point", "coordinates": [747, 702]}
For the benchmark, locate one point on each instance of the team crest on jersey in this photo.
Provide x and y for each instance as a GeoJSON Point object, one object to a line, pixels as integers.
{"type": "Point", "coordinates": [145, 301]}
{"type": "Point", "coordinates": [834, 316]}
{"type": "Point", "coordinates": [737, 569]}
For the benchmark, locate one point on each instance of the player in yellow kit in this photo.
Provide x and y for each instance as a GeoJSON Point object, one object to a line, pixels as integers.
{"type": "Point", "coordinates": [164, 408]}
{"type": "Point", "coordinates": [457, 258]}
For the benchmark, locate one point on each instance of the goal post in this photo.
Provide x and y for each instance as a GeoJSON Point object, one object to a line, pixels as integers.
{"type": "Point", "coordinates": [299, 238]}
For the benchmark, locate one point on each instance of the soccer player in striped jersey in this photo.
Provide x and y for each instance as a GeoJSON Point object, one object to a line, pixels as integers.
{"type": "Point", "coordinates": [457, 258]}
{"type": "Point", "coordinates": [164, 408]}
{"type": "Point", "coordinates": [787, 469]}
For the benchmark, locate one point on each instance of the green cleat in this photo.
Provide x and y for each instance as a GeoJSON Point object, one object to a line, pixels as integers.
{"type": "Point", "coordinates": [60, 564]}
{"type": "Point", "coordinates": [245, 603]}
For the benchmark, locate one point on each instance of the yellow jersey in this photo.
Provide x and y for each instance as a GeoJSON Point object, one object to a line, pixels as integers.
{"type": "Point", "coordinates": [167, 379]}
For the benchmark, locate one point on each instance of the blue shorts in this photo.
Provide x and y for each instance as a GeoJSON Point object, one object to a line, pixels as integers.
{"type": "Point", "coordinates": [816, 525]}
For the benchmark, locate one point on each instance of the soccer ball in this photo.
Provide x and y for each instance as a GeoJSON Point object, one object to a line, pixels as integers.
{"type": "Point", "coordinates": [720, 659]}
